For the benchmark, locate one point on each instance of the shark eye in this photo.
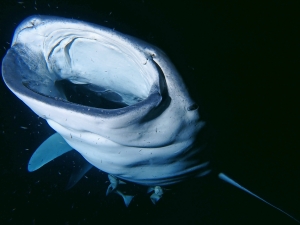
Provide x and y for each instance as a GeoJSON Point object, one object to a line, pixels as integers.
{"type": "Point", "coordinates": [192, 107]}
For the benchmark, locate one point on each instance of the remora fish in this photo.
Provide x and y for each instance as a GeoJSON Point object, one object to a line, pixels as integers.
{"type": "Point", "coordinates": [136, 120]}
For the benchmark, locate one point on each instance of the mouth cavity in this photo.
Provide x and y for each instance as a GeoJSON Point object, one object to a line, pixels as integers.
{"type": "Point", "coordinates": [101, 73]}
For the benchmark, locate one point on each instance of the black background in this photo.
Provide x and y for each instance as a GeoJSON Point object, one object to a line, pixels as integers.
{"type": "Point", "coordinates": [240, 61]}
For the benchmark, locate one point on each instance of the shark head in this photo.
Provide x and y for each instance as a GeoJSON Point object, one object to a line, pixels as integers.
{"type": "Point", "coordinates": [118, 101]}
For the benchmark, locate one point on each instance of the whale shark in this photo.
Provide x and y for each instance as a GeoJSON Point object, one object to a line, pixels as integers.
{"type": "Point", "coordinates": [115, 99]}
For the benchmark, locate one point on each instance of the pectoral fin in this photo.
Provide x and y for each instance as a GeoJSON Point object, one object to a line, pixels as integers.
{"type": "Point", "coordinates": [78, 173]}
{"type": "Point", "coordinates": [50, 149]}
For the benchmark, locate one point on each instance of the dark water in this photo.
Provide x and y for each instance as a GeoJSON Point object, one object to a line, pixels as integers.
{"type": "Point", "coordinates": [241, 64]}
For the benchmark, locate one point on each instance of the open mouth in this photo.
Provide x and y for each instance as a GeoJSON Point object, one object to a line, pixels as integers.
{"type": "Point", "coordinates": [92, 70]}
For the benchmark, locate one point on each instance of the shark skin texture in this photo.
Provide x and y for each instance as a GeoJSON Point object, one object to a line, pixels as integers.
{"type": "Point", "coordinates": [149, 135]}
